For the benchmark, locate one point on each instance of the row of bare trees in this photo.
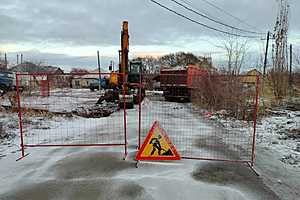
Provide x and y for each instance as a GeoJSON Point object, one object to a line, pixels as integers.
{"type": "Point", "coordinates": [153, 65]}
{"type": "Point", "coordinates": [228, 91]}
{"type": "Point", "coordinates": [224, 92]}
{"type": "Point", "coordinates": [284, 80]}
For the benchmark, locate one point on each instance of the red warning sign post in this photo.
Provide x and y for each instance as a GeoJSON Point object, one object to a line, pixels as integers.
{"type": "Point", "coordinates": [157, 146]}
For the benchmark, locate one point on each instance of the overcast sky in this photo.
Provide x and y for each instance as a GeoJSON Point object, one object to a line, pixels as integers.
{"type": "Point", "coordinates": [69, 32]}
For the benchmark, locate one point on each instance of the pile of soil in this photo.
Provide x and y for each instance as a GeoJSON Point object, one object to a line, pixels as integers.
{"type": "Point", "coordinates": [95, 111]}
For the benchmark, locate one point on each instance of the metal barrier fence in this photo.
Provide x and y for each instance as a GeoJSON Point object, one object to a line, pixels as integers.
{"type": "Point", "coordinates": [61, 110]}
{"type": "Point", "coordinates": [210, 117]}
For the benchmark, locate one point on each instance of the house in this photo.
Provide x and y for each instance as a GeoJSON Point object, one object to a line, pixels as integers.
{"type": "Point", "coordinates": [37, 73]}
{"type": "Point", "coordinates": [83, 81]}
{"type": "Point", "coordinates": [250, 78]}
{"type": "Point", "coordinates": [31, 68]}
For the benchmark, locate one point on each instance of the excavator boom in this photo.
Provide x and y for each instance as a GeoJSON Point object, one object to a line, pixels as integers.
{"type": "Point", "coordinates": [124, 48]}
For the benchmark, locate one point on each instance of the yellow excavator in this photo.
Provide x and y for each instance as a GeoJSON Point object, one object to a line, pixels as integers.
{"type": "Point", "coordinates": [130, 75]}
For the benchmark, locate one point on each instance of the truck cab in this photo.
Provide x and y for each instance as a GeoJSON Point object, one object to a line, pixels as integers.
{"type": "Point", "coordinates": [6, 82]}
{"type": "Point", "coordinates": [94, 85]}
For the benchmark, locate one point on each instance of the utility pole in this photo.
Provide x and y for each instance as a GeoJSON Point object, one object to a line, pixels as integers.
{"type": "Point", "coordinates": [99, 69]}
{"type": "Point", "coordinates": [291, 66]}
{"type": "Point", "coordinates": [17, 59]}
{"type": "Point", "coordinates": [21, 58]}
{"type": "Point", "coordinates": [5, 60]}
{"type": "Point", "coordinates": [266, 54]}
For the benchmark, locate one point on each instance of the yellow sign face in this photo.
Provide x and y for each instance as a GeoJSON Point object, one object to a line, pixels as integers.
{"type": "Point", "coordinates": [157, 146]}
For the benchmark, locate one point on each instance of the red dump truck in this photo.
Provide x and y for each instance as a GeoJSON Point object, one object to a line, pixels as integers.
{"type": "Point", "coordinates": [177, 83]}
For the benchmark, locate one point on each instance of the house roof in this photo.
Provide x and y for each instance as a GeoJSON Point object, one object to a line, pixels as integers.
{"type": "Point", "coordinates": [29, 67]}
{"type": "Point", "coordinates": [86, 76]}
{"type": "Point", "coordinates": [253, 72]}
{"type": "Point", "coordinates": [250, 76]}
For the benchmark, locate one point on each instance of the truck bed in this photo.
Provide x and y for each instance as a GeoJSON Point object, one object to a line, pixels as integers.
{"type": "Point", "coordinates": [177, 82]}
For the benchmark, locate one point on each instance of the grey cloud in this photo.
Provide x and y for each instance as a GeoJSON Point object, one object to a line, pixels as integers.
{"type": "Point", "coordinates": [66, 62]}
{"type": "Point", "coordinates": [97, 22]}
{"type": "Point", "coordinates": [75, 23]}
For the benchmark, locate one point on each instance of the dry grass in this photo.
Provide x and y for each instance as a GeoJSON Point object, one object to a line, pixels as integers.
{"type": "Point", "coordinates": [228, 93]}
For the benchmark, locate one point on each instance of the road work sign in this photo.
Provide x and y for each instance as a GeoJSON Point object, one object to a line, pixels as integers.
{"type": "Point", "coordinates": [157, 146]}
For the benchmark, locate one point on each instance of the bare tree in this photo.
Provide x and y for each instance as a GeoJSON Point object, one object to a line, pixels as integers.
{"type": "Point", "coordinates": [236, 51]}
{"type": "Point", "coordinates": [296, 56]}
{"type": "Point", "coordinates": [279, 75]}
{"type": "Point", "coordinates": [151, 64]}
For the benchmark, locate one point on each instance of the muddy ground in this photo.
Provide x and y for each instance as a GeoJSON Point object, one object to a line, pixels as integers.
{"type": "Point", "coordinates": [101, 173]}
{"type": "Point", "coordinates": [90, 174]}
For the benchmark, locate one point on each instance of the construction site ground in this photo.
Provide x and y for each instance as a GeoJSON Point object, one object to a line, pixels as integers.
{"type": "Point", "coordinates": [101, 173]}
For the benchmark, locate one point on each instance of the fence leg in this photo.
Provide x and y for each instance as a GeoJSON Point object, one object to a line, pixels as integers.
{"type": "Point", "coordinates": [20, 119]}
{"type": "Point", "coordinates": [125, 120]}
{"type": "Point", "coordinates": [252, 169]}
{"type": "Point", "coordinates": [137, 164]}
{"type": "Point", "coordinates": [140, 111]}
{"type": "Point", "coordinates": [255, 120]}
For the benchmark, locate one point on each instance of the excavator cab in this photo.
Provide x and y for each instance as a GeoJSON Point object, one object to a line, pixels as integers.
{"type": "Point", "coordinates": [135, 71]}
{"type": "Point", "coordinates": [135, 76]}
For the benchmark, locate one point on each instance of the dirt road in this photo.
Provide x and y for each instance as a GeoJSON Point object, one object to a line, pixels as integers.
{"type": "Point", "coordinates": [89, 174]}
{"type": "Point", "coordinates": [101, 173]}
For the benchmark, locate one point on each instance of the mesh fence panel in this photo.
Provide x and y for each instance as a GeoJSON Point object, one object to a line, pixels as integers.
{"type": "Point", "coordinates": [206, 116]}
{"type": "Point", "coordinates": [61, 110]}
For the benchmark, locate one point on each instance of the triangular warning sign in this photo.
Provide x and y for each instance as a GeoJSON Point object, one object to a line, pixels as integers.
{"type": "Point", "coordinates": [157, 146]}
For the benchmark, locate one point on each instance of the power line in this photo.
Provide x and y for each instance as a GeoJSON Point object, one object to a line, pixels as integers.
{"type": "Point", "coordinates": [229, 14]}
{"type": "Point", "coordinates": [190, 4]}
{"type": "Point", "coordinates": [214, 20]}
{"type": "Point", "coordinates": [205, 12]}
{"type": "Point", "coordinates": [201, 24]}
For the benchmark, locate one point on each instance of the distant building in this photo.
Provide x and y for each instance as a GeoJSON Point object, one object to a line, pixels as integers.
{"type": "Point", "coordinates": [250, 78]}
{"type": "Point", "coordinates": [31, 68]}
{"type": "Point", "coordinates": [84, 81]}
{"type": "Point", "coordinates": [38, 74]}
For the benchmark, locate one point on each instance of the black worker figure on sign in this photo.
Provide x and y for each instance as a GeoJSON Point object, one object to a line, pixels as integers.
{"type": "Point", "coordinates": [157, 146]}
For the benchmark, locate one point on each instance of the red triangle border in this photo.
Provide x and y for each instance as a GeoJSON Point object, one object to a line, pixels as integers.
{"type": "Point", "coordinates": [176, 155]}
